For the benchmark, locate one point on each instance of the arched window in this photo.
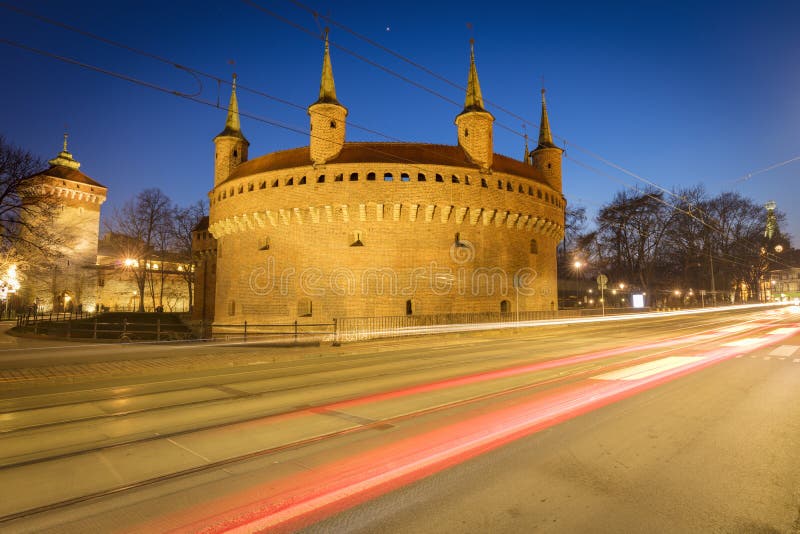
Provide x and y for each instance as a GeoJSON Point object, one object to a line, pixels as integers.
{"type": "Point", "coordinates": [439, 178]}
{"type": "Point", "coordinates": [302, 181]}
{"type": "Point", "coordinates": [321, 179]}
{"type": "Point", "coordinates": [534, 247]}
{"type": "Point", "coordinates": [404, 177]}
{"type": "Point", "coordinates": [387, 177]}
{"type": "Point", "coordinates": [371, 176]}
{"type": "Point", "coordinates": [455, 179]}
{"type": "Point", "coordinates": [354, 177]}
{"type": "Point", "coordinates": [333, 124]}
{"type": "Point", "coordinates": [505, 306]}
{"type": "Point", "coordinates": [483, 183]}
{"type": "Point", "coordinates": [420, 177]}
{"type": "Point", "coordinates": [499, 184]}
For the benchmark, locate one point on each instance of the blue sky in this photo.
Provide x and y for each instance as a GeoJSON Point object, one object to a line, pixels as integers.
{"type": "Point", "coordinates": [679, 93]}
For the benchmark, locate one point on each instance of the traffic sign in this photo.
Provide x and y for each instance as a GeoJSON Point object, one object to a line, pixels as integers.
{"type": "Point", "coordinates": [602, 280]}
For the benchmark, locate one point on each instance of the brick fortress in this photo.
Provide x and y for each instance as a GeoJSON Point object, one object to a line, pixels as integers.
{"type": "Point", "coordinates": [349, 229]}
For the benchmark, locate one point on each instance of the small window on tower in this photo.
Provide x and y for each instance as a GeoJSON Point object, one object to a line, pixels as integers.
{"type": "Point", "coordinates": [420, 177]}
{"type": "Point", "coordinates": [338, 178]}
{"type": "Point", "coordinates": [333, 124]}
{"type": "Point", "coordinates": [466, 132]}
{"type": "Point", "coordinates": [483, 183]}
{"type": "Point", "coordinates": [549, 165]}
{"type": "Point", "coordinates": [235, 154]}
{"type": "Point", "coordinates": [439, 178]}
{"type": "Point", "coordinates": [275, 183]}
{"type": "Point", "coordinates": [262, 185]}
{"type": "Point", "coordinates": [509, 187]}
{"type": "Point", "coordinates": [304, 308]}
{"type": "Point", "coordinates": [409, 308]}
{"type": "Point", "coordinates": [455, 179]}
{"type": "Point", "coordinates": [499, 184]}
{"type": "Point", "coordinates": [354, 177]}
{"type": "Point", "coordinates": [405, 177]}
{"type": "Point", "coordinates": [521, 190]}
{"type": "Point", "coordinates": [302, 181]}
{"type": "Point", "coordinates": [530, 191]}
{"type": "Point", "coordinates": [250, 186]}
{"type": "Point", "coordinates": [387, 177]}
{"type": "Point", "coordinates": [371, 176]}
{"type": "Point", "coordinates": [321, 179]}
{"type": "Point", "coordinates": [241, 189]}
{"type": "Point", "coordinates": [356, 239]}
{"type": "Point", "coordinates": [290, 181]}
{"type": "Point", "coordinates": [466, 180]}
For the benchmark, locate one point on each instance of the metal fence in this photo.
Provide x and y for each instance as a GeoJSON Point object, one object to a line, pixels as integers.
{"type": "Point", "coordinates": [125, 331]}
{"type": "Point", "coordinates": [276, 333]}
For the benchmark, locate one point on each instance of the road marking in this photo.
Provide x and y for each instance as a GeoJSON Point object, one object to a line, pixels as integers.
{"type": "Point", "coordinates": [648, 369]}
{"type": "Point", "coordinates": [190, 451]}
{"type": "Point", "coordinates": [785, 350]}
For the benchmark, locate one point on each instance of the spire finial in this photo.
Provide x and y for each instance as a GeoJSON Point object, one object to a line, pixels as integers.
{"type": "Point", "coordinates": [65, 141]}
{"type": "Point", "coordinates": [545, 137]}
{"type": "Point", "coordinates": [474, 99]}
{"type": "Point", "coordinates": [233, 127]}
{"type": "Point", "coordinates": [327, 88]}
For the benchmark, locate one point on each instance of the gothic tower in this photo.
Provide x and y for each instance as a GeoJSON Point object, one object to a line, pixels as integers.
{"type": "Point", "coordinates": [327, 116]}
{"type": "Point", "coordinates": [547, 156]}
{"type": "Point", "coordinates": [231, 145]}
{"type": "Point", "coordinates": [474, 123]}
{"type": "Point", "coordinates": [67, 281]}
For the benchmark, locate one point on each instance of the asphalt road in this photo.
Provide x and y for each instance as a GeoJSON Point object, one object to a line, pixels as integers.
{"type": "Point", "coordinates": [686, 423]}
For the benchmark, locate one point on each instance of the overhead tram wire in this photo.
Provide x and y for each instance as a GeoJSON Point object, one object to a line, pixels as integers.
{"type": "Point", "coordinates": [432, 73]}
{"type": "Point", "coordinates": [417, 165]}
{"type": "Point", "coordinates": [730, 259]}
{"type": "Point", "coordinates": [195, 72]}
{"type": "Point", "coordinates": [292, 104]}
{"type": "Point", "coordinates": [766, 169]}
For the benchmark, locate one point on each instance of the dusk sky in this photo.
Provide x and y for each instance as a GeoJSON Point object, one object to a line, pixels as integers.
{"type": "Point", "coordinates": [678, 93]}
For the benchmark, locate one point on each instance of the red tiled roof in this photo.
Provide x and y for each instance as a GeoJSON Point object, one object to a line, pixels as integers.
{"type": "Point", "coordinates": [414, 154]}
{"type": "Point", "coordinates": [68, 173]}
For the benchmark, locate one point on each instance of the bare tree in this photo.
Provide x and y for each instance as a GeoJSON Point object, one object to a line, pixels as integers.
{"type": "Point", "coordinates": [183, 223]}
{"type": "Point", "coordinates": [139, 229]}
{"type": "Point", "coordinates": [26, 208]}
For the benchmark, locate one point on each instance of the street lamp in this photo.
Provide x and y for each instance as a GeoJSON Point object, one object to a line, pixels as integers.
{"type": "Point", "coordinates": [578, 265]}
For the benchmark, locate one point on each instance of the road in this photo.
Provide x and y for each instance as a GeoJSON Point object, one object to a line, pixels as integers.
{"type": "Point", "coordinates": [674, 423]}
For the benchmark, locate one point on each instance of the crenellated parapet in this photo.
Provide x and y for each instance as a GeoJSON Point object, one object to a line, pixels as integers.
{"type": "Point", "coordinates": [375, 212]}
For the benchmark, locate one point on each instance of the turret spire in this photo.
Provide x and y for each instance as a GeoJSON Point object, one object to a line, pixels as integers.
{"type": "Point", "coordinates": [64, 158]}
{"type": "Point", "coordinates": [233, 127]}
{"type": "Point", "coordinates": [527, 157]}
{"type": "Point", "coordinates": [545, 137]}
{"type": "Point", "coordinates": [474, 100]}
{"type": "Point", "coordinates": [327, 89]}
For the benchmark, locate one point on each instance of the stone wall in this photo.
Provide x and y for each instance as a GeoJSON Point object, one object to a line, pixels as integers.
{"type": "Point", "coordinates": [459, 241]}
